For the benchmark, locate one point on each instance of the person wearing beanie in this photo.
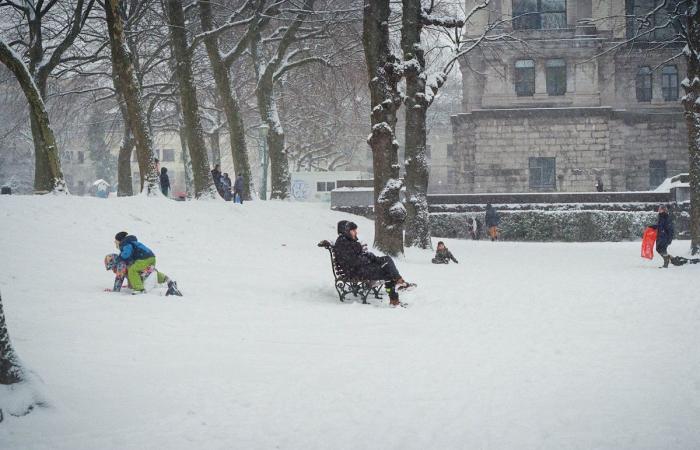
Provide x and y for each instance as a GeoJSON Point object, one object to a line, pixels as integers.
{"type": "Point", "coordinates": [139, 258]}
{"type": "Point", "coordinates": [664, 234]}
{"type": "Point", "coordinates": [357, 262]}
{"type": "Point", "coordinates": [443, 255]}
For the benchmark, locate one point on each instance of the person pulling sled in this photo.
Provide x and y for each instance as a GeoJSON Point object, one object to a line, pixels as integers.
{"type": "Point", "coordinates": [664, 234]}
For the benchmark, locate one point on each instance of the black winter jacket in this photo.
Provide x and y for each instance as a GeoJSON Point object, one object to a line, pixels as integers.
{"type": "Point", "coordinates": [351, 256]}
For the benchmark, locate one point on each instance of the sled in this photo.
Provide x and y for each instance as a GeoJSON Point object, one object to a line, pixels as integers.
{"type": "Point", "coordinates": [648, 242]}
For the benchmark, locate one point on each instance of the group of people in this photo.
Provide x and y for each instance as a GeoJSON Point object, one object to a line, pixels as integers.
{"type": "Point", "coordinates": [135, 263]}
{"type": "Point", "coordinates": [230, 191]}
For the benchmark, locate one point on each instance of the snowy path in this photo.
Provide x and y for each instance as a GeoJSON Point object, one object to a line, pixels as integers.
{"type": "Point", "coordinates": [527, 346]}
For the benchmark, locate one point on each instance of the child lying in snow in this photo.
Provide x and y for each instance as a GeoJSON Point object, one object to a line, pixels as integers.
{"type": "Point", "coordinates": [443, 255]}
{"type": "Point", "coordinates": [119, 267]}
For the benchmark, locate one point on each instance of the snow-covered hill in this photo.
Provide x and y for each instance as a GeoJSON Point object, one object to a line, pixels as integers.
{"type": "Point", "coordinates": [525, 346]}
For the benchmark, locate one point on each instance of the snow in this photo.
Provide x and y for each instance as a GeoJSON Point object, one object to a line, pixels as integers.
{"type": "Point", "coordinates": [527, 346]}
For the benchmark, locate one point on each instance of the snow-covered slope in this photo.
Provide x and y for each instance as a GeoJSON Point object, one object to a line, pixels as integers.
{"type": "Point", "coordinates": [525, 346]}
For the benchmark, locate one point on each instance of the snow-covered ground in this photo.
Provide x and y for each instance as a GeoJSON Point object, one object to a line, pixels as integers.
{"type": "Point", "coordinates": [520, 346]}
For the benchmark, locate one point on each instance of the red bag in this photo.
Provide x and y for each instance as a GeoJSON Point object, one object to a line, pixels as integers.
{"type": "Point", "coordinates": [648, 242]}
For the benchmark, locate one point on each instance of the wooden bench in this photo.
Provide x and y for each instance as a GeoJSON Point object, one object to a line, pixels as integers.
{"type": "Point", "coordinates": [345, 285]}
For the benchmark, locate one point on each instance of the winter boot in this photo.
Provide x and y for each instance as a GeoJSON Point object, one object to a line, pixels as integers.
{"type": "Point", "coordinates": [394, 302]}
{"type": "Point", "coordinates": [667, 259]}
{"type": "Point", "coordinates": [172, 289]}
{"type": "Point", "coordinates": [404, 286]}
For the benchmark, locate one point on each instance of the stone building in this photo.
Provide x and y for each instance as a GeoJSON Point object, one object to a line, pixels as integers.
{"type": "Point", "coordinates": [566, 102]}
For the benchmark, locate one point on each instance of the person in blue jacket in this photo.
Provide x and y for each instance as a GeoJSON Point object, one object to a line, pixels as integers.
{"type": "Point", "coordinates": [664, 234]}
{"type": "Point", "coordinates": [138, 258]}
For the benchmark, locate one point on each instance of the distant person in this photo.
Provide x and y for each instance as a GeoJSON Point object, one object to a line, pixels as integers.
{"type": "Point", "coordinates": [473, 228]}
{"type": "Point", "coordinates": [356, 261]}
{"type": "Point", "coordinates": [443, 255]}
{"type": "Point", "coordinates": [664, 234]}
{"type": "Point", "coordinates": [226, 187]}
{"type": "Point", "coordinates": [164, 181]}
{"type": "Point", "coordinates": [599, 185]}
{"type": "Point", "coordinates": [492, 222]}
{"type": "Point", "coordinates": [238, 189]}
{"type": "Point", "coordinates": [216, 176]}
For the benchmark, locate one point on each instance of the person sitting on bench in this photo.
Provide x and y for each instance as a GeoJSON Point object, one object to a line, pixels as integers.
{"type": "Point", "coordinates": [357, 262]}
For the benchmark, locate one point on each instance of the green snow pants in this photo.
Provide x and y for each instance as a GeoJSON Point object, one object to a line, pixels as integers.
{"type": "Point", "coordinates": [133, 273]}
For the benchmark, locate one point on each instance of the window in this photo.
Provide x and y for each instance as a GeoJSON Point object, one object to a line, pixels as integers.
{"type": "Point", "coordinates": [81, 157]}
{"type": "Point", "coordinates": [669, 83]}
{"type": "Point", "coordinates": [542, 173]}
{"type": "Point", "coordinates": [168, 155]}
{"type": "Point", "coordinates": [525, 78]}
{"type": "Point", "coordinates": [657, 172]}
{"type": "Point", "coordinates": [325, 186]}
{"type": "Point", "coordinates": [539, 14]}
{"type": "Point", "coordinates": [644, 84]}
{"type": "Point", "coordinates": [556, 76]}
{"type": "Point", "coordinates": [663, 25]}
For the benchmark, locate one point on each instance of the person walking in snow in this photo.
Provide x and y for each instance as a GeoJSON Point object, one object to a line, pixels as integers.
{"type": "Point", "coordinates": [473, 228]}
{"type": "Point", "coordinates": [164, 181]}
{"type": "Point", "coordinates": [664, 234]}
{"type": "Point", "coordinates": [216, 176]}
{"type": "Point", "coordinates": [443, 255]}
{"type": "Point", "coordinates": [138, 258]}
{"type": "Point", "coordinates": [357, 262]}
{"type": "Point", "coordinates": [238, 189]}
{"type": "Point", "coordinates": [226, 187]}
{"type": "Point", "coordinates": [492, 221]}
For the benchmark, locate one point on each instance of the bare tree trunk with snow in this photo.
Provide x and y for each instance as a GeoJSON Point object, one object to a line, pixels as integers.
{"type": "Point", "coordinates": [220, 70]}
{"type": "Point", "coordinates": [203, 183]}
{"type": "Point", "coordinates": [417, 224]}
{"type": "Point", "coordinates": [691, 103]}
{"type": "Point", "coordinates": [126, 84]}
{"type": "Point", "coordinates": [50, 178]}
{"type": "Point", "coordinates": [384, 74]}
{"type": "Point", "coordinates": [421, 89]}
{"type": "Point", "coordinates": [10, 369]}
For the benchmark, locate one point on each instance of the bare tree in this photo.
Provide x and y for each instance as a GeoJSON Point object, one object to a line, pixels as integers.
{"type": "Point", "coordinates": [220, 65]}
{"type": "Point", "coordinates": [46, 47]}
{"type": "Point", "coordinates": [203, 183]}
{"type": "Point", "coordinates": [385, 71]}
{"type": "Point", "coordinates": [421, 88]}
{"type": "Point", "coordinates": [126, 83]}
{"type": "Point", "coordinates": [44, 140]}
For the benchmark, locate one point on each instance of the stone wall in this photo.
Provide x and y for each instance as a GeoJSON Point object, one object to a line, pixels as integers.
{"type": "Point", "coordinates": [493, 147]}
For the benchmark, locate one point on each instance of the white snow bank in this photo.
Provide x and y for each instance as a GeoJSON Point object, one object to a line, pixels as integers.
{"type": "Point", "coordinates": [527, 346]}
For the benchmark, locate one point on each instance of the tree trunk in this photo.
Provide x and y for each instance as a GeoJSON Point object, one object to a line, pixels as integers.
{"type": "Point", "coordinates": [384, 74]}
{"type": "Point", "coordinates": [692, 116]}
{"type": "Point", "coordinates": [203, 183]}
{"type": "Point", "coordinates": [279, 163]}
{"type": "Point", "coordinates": [48, 176]}
{"type": "Point", "coordinates": [417, 172]}
{"type": "Point", "coordinates": [125, 187]}
{"type": "Point", "coordinates": [126, 84]}
{"type": "Point", "coordinates": [239, 151]}
{"type": "Point", "coordinates": [10, 369]}
{"type": "Point", "coordinates": [215, 142]}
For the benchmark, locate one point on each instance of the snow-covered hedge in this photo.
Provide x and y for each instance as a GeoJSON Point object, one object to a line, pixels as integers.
{"type": "Point", "coordinates": [570, 225]}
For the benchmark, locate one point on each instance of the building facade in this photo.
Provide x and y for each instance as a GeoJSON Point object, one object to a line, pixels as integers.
{"type": "Point", "coordinates": [565, 102]}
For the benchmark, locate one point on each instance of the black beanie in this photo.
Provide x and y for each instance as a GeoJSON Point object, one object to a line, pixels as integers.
{"type": "Point", "coordinates": [120, 236]}
{"type": "Point", "coordinates": [341, 226]}
{"type": "Point", "coordinates": [350, 226]}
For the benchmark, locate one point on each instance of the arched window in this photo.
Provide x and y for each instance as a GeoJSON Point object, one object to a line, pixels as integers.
{"type": "Point", "coordinates": [669, 83]}
{"type": "Point", "coordinates": [525, 78]}
{"type": "Point", "coordinates": [644, 86]}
